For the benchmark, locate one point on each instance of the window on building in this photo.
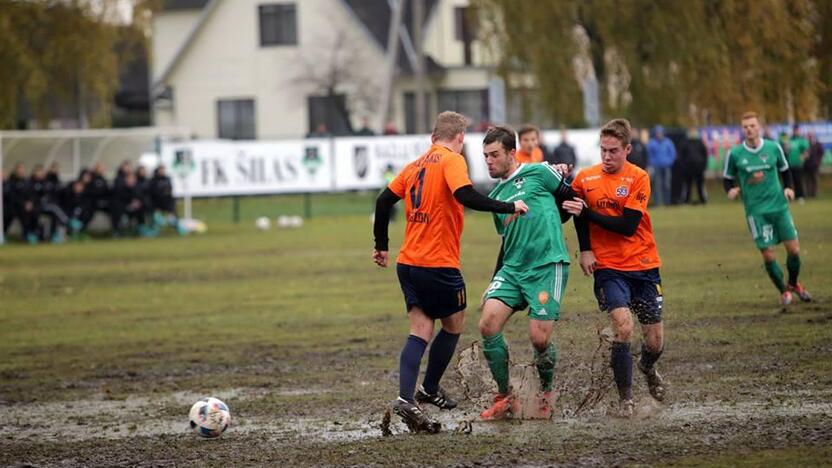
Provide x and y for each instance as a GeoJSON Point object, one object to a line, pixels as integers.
{"type": "Point", "coordinates": [329, 113]}
{"type": "Point", "coordinates": [410, 113]}
{"type": "Point", "coordinates": [466, 25]}
{"type": "Point", "coordinates": [278, 24]}
{"type": "Point", "coordinates": [471, 104]}
{"type": "Point", "coordinates": [236, 120]}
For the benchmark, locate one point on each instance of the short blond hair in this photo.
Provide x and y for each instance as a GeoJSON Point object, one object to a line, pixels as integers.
{"type": "Point", "coordinates": [448, 125]}
{"type": "Point", "coordinates": [750, 115]}
{"type": "Point", "coordinates": [619, 129]}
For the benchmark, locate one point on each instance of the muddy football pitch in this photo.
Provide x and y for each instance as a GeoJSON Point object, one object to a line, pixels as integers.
{"type": "Point", "coordinates": [106, 343]}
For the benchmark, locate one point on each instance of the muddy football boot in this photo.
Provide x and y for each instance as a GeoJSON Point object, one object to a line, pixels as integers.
{"type": "Point", "coordinates": [801, 292]}
{"type": "Point", "coordinates": [626, 408]}
{"type": "Point", "coordinates": [440, 399]}
{"type": "Point", "coordinates": [415, 419]}
{"type": "Point", "coordinates": [655, 383]}
{"type": "Point", "coordinates": [502, 407]}
{"type": "Point", "coordinates": [786, 298]}
{"type": "Point", "coordinates": [545, 401]}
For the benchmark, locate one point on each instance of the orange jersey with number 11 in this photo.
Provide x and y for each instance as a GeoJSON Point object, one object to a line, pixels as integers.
{"type": "Point", "coordinates": [434, 217]}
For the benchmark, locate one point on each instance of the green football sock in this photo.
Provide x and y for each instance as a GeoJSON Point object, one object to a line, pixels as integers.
{"type": "Point", "coordinates": [545, 361]}
{"type": "Point", "coordinates": [793, 266]}
{"type": "Point", "coordinates": [776, 275]}
{"type": "Point", "coordinates": [495, 349]}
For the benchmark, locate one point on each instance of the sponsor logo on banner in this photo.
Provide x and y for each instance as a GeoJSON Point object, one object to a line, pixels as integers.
{"type": "Point", "coordinates": [311, 159]}
{"type": "Point", "coordinates": [361, 160]}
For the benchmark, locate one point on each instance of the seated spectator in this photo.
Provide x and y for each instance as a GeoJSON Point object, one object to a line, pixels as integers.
{"type": "Point", "coordinates": [365, 129]}
{"type": "Point", "coordinates": [46, 203]}
{"type": "Point", "coordinates": [76, 205]}
{"type": "Point", "coordinates": [127, 209]}
{"type": "Point", "coordinates": [160, 190]}
{"type": "Point", "coordinates": [23, 203]}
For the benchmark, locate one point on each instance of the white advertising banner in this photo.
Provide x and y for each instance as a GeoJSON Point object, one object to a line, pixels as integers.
{"type": "Point", "coordinates": [361, 162]}
{"type": "Point", "coordinates": [218, 168]}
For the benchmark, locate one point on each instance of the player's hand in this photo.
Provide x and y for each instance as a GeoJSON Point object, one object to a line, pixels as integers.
{"type": "Point", "coordinates": [789, 193]}
{"type": "Point", "coordinates": [563, 169]}
{"type": "Point", "coordinates": [521, 207]}
{"type": "Point", "coordinates": [733, 192]}
{"type": "Point", "coordinates": [380, 257]}
{"type": "Point", "coordinates": [574, 206]}
{"type": "Point", "coordinates": [588, 262]}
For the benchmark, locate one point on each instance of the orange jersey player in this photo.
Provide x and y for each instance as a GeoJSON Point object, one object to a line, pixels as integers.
{"type": "Point", "coordinates": [435, 187]}
{"type": "Point", "coordinates": [529, 151]}
{"type": "Point", "coordinates": [618, 248]}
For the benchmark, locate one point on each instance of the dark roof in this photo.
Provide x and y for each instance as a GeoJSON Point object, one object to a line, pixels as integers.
{"type": "Point", "coordinates": [375, 15]}
{"type": "Point", "coordinates": [184, 4]}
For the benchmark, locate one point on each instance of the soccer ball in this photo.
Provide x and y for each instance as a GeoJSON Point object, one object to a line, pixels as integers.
{"type": "Point", "coordinates": [296, 221]}
{"type": "Point", "coordinates": [209, 417]}
{"type": "Point", "coordinates": [263, 223]}
{"type": "Point", "coordinates": [284, 221]}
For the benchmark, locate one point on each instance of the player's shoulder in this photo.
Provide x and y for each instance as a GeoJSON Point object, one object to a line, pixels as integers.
{"type": "Point", "coordinates": [588, 174]}
{"type": "Point", "coordinates": [635, 172]}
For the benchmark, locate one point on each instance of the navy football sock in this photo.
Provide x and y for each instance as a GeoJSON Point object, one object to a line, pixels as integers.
{"type": "Point", "coordinates": [793, 265]}
{"type": "Point", "coordinates": [441, 351]}
{"type": "Point", "coordinates": [409, 362]}
{"type": "Point", "coordinates": [649, 357]}
{"type": "Point", "coordinates": [622, 369]}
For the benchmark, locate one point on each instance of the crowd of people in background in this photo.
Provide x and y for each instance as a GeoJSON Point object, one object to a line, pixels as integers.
{"type": "Point", "coordinates": [48, 210]}
{"type": "Point", "coordinates": [677, 168]}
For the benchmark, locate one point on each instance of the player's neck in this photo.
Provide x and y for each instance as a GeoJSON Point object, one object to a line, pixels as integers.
{"type": "Point", "coordinates": [511, 170]}
{"type": "Point", "coordinates": [754, 144]}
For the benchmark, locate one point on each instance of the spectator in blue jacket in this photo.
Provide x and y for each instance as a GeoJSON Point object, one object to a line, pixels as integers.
{"type": "Point", "coordinates": [660, 157]}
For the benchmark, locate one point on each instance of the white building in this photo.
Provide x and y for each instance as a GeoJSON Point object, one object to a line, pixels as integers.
{"type": "Point", "coordinates": [265, 69]}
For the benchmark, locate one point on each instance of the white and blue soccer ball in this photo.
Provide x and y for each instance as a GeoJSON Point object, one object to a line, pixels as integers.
{"type": "Point", "coordinates": [263, 223]}
{"type": "Point", "coordinates": [209, 417]}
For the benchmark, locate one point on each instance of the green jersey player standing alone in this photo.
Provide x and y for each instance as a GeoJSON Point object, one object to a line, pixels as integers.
{"type": "Point", "coordinates": [532, 268]}
{"type": "Point", "coordinates": [751, 171]}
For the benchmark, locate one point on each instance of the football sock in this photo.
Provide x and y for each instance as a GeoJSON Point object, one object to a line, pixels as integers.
{"type": "Point", "coordinates": [776, 275]}
{"type": "Point", "coordinates": [622, 369]}
{"type": "Point", "coordinates": [793, 265]}
{"type": "Point", "coordinates": [409, 362]}
{"type": "Point", "coordinates": [495, 349]}
{"type": "Point", "coordinates": [545, 362]}
{"type": "Point", "coordinates": [648, 356]}
{"type": "Point", "coordinates": [441, 351]}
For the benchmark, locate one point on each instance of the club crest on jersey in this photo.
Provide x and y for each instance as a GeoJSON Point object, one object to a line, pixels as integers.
{"type": "Point", "coordinates": [763, 157]}
{"type": "Point", "coordinates": [518, 183]}
{"type": "Point", "coordinates": [621, 191]}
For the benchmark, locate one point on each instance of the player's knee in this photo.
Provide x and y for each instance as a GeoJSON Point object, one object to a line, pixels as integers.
{"type": "Point", "coordinates": [488, 326]}
{"type": "Point", "coordinates": [540, 341]}
{"type": "Point", "coordinates": [768, 255]}
{"type": "Point", "coordinates": [623, 324]}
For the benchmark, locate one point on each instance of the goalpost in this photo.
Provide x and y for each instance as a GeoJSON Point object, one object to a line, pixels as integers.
{"type": "Point", "coordinates": [73, 150]}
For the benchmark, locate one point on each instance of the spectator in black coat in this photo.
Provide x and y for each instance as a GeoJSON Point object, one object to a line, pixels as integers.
{"type": "Point", "coordinates": [638, 155]}
{"type": "Point", "coordinates": [161, 197]}
{"type": "Point", "coordinates": [693, 158]}
{"type": "Point", "coordinates": [23, 202]}
{"type": "Point", "coordinates": [811, 167]}
{"type": "Point", "coordinates": [564, 153]}
{"type": "Point", "coordinates": [127, 208]}
{"type": "Point", "coordinates": [77, 206]}
{"type": "Point", "coordinates": [46, 201]}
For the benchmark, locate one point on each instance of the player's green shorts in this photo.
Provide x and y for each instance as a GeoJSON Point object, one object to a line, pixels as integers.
{"type": "Point", "coordinates": [540, 289]}
{"type": "Point", "coordinates": [770, 229]}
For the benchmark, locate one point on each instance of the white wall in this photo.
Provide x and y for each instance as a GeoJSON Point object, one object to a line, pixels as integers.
{"type": "Point", "coordinates": [226, 61]}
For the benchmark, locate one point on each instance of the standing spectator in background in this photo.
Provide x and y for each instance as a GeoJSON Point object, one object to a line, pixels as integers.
{"type": "Point", "coordinates": [798, 151]}
{"type": "Point", "coordinates": [811, 166]}
{"type": "Point", "coordinates": [529, 151]}
{"type": "Point", "coordinates": [660, 157]}
{"type": "Point", "coordinates": [365, 129]}
{"type": "Point", "coordinates": [390, 128]}
{"type": "Point", "coordinates": [638, 155]}
{"type": "Point", "coordinates": [564, 153]}
{"type": "Point", "coordinates": [783, 141]}
{"type": "Point", "coordinates": [693, 157]}
{"type": "Point", "coordinates": [321, 131]}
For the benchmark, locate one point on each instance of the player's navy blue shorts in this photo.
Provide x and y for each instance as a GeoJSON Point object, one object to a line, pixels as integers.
{"type": "Point", "coordinates": [640, 291]}
{"type": "Point", "coordinates": [440, 292]}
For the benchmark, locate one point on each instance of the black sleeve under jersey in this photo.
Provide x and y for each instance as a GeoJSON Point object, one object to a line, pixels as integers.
{"type": "Point", "coordinates": [788, 180]}
{"type": "Point", "coordinates": [582, 230]}
{"type": "Point", "coordinates": [626, 224]}
{"type": "Point", "coordinates": [384, 204]}
{"type": "Point", "coordinates": [563, 192]}
{"type": "Point", "coordinates": [727, 184]}
{"type": "Point", "coordinates": [470, 198]}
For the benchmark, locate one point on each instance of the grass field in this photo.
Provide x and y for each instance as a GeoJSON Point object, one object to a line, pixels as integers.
{"type": "Point", "coordinates": [106, 343]}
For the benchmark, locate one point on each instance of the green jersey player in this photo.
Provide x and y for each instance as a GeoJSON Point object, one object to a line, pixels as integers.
{"type": "Point", "coordinates": [751, 171]}
{"type": "Point", "coordinates": [532, 268]}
